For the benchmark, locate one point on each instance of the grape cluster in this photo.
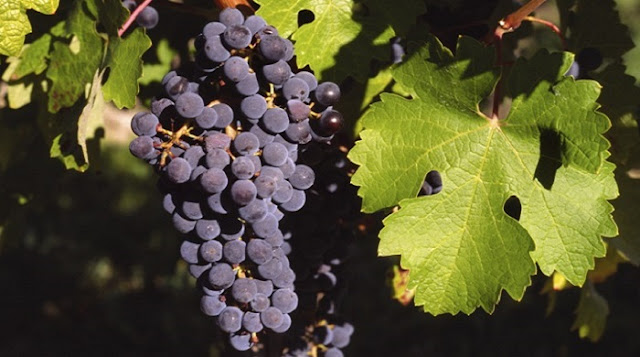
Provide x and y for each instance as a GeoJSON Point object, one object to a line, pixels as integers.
{"type": "Point", "coordinates": [225, 139]}
{"type": "Point", "coordinates": [147, 18]}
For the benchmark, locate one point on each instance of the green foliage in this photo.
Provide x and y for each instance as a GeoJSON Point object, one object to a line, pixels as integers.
{"type": "Point", "coordinates": [351, 33]}
{"type": "Point", "coordinates": [548, 152]}
{"type": "Point", "coordinates": [14, 23]}
{"type": "Point", "coordinates": [591, 315]}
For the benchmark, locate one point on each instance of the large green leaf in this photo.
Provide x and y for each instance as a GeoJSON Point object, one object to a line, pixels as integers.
{"type": "Point", "coordinates": [14, 23]}
{"type": "Point", "coordinates": [73, 65]}
{"type": "Point", "coordinates": [124, 60]}
{"type": "Point", "coordinates": [460, 245]}
{"type": "Point", "coordinates": [344, 35]}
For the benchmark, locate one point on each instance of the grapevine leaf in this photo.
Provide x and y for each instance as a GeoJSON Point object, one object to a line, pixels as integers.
{"type": "Point", "coordinates": [461, 247]}
{"type": "Point", "coordinates": [591, 315]}
{"type": "Point", "coordinates": [124, 58]}
{"type": "Point", "coordinates": [19, 94]}
{"type": "Point", "coordinates": [33, 58]}
{"type": "Point", "coordinates": [351, 32]}
{"type": "Point", "coordinates": [111, 14]}
{"type": "Point", "coordinates": [619, 100]}
{"type": "Point", "coordinates": [92, 114]}
{"type": "Point", "coordinates": [597, 24]}
{"type": "Point", "coordinates": [14, 23]}
{"type": "Point", "coordinates": [73, 65]}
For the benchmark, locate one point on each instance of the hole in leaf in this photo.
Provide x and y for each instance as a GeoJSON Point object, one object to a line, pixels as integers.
{"type": "Point", "coordinates": [513, 208]}
{"type": "Point", "coordinates": [432, 184]}
{"type": "Point", "coordinates": [305, 17]}
{"type": "Point", "coordinates": [551, 148]}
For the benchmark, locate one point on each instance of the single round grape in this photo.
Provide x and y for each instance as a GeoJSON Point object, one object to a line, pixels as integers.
{"type": "Point", "coordinates": [265, 287]}
{"type": "Point", "coordinates": [178, 170]}
{"type": "Point", "coordinates": [207, 119]}
{"type": "Point", "coordinates": [309, 78]}
{"type": "Point", "coordinates": [193, 88]}
{"type": "Point", "coordinates": [285, 279]}
{"type": "Point", "coordinates": [237, 36]}
{"type": "Point", "coordinates": [243, 192]}
{"type": "Point", "coordinates": [193, 155]}
{"type": "Point", "coordinates": [265, 186]}
{"type": "Point", "coordinates": [129, 5]}
{"type": "Point", "coordinates": [289, 51]}
{"type": "Point", "coordinates": [225, 115]}
{"type": "Point", "coordinates": [142, 148]}
{"type": "Point", "coordinates": [231, 16]}
{"type": "Point", "coordinates": [244, 290]}
{"type": "Point", "coordinates": [275, 154]}
{"type": "Point", "coordinates": [230, 319]}
{"type": "Point", "coordinates": [574, 70]}
{"type": "Point", "coordinates": [284, 300]}
{"type": "Point", "coordinates": [271, 317]}
{"type": "Point", "coordinates": [298, 110]}
{"type": "Point", "coordinates": [249, 85]}
{"type": "Point", "coordinates": [182, 224]}
{"type": "Point", "coordinates": [253, 106]}
{"type": "Point", "coordinates": [221, 276]}
{"type": "Point", "coordinates": [189, 251]}
{"type": "Point", "coordinates": [214, 202]}
{"type": "Point", "coordinates": [216, 141]}
{"type": "Point", "coordinates": [299, 132]}
{"type": "Point", "coordinates": [333, 352]}
{"type": "Point", "coordinates": [268, 30]}
{"type": "Point", "coordinates": [158, 106]}
{"type": "Point", "coordinates": [295, 88]}
{"type": "Point", "coordinates": [341, 337]}
{"type": "Point", "coordinates": [254, 211]}
{"type": "Point", "coordinates": [234, 251]}
{"type": "Point", "coordinates": [275, 239]}
{"type": "Point", "coordinates": [168, 76]}
{"type": "Point", "coordinates": [331, 122]}
{"type": "Point", "coordinates": [273, 48]}
{"type": "Point", "coordinates": [327, 93]}
{"type": "Point", "coordinates": [242, 168]}
{"type": "Point", "coordinates": [189, 105]}
{"type": "Point", "coordinates": [168, 203]}
{"type": "Point", "coordinates": [240, 342]}
{"type": "Point", "coordinates": [215, 50]}
{"type": "Point", "coordinates": [217, 158]}
{"type": "Point", "coordinates": [256, 162]}
{"type": "Point", "coordinates": [195, 174]}
{"type": "Point", "coordinates": [236, 68]}
{"type": "Point", "coordinates": [277, 73]}
{"type": "Point", "coordinates": [254, 23]}
{"type": "Point", "coordinates": [176, 86]}
{"type": "Point", "coordinates": [296, 202]}
{"type": "Point", "coordinates": [191, 210]}
{"type": "Point", "coordinates": [275, 120]}
{"type": "Point", "coordinates": [303, 177]}
{"type": "Point", "coordinates": [144, 124]}
{"type": "Point", "coordinates": [214, 180]}
{"type": "Point", "coordinates": [266, 227]}
{"type": "Point", "coordinates": [207, 229]}
{"type": "Point", "coordinates": [322, 335]}
{"type": "Point", "coordinates": [285, 325]}
{"type": "Point", "coordinates": [284, 192]}
{"type": "Point", "coordinates": [271, 269]}
{"type": "Point", "coordinates": [211, 305]}
{"type": "Point", "coordinates": [214, 28]}
{"type": "Point", "coordinates": [259, 251]}
{"type": "Point", "coordinates": [148, 18]}
{"type": "Point", "coordinates": [246, 143]}
{"type": "Point", "coordinates": [211, 292]}
{"type": "Point", "coordinates": [251, 322]}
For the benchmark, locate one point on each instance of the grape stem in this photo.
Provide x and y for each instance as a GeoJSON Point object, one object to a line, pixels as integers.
{"type": "Point", "coordinates": [551, 26]}
{"type": "Point", "coordinates": [133, 16]}
{"type": "Point", "coordinates": [509, 24]}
